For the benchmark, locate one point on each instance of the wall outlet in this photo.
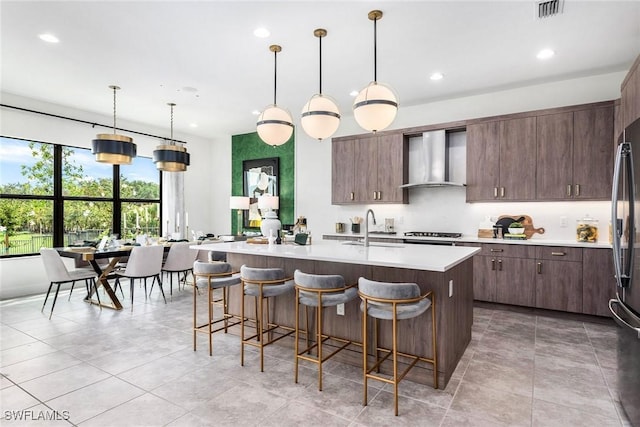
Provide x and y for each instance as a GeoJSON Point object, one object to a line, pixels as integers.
{"type": "Point", "coordinates": [450, 288]}
{"type": "Point", "coordinates": [340, 309]}
{"type": "Point", "coordinates": [564, 222]}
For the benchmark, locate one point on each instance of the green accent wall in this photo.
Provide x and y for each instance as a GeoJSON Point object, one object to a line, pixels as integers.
{"type": "Point", "coordinates": [249, 146]}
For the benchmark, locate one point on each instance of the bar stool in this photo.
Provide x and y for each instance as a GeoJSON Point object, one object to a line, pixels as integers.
{"type": "Point", "coordinates": [319, 291]}
{"type": "Point", "coordinates": [262, 283]}
{"type": "Point", "coordinates": [213, 275]}
{"type": "Point", "coordinates": [394, 301]}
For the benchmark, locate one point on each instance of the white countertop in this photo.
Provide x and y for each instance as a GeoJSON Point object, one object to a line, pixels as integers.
{"type": "Point", "coordinates": [536, 240]}
{"type": "Point", "coordinates": [418, 257]}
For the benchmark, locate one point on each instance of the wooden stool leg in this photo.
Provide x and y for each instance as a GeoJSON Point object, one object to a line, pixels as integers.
{"type": "Point", "coordinates": [364, 351]}
{"type": "Point", "coordinates": [295, 344]}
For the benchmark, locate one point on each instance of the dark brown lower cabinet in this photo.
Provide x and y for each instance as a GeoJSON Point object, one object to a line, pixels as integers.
{"type": "Point", "coordinates": [571, 279]}
{"type": "Point", "coordinates": [599, 283]}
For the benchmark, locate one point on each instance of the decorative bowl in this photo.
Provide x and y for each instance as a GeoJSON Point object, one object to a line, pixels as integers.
{"type": "Point", "coordinates": [514, 230]}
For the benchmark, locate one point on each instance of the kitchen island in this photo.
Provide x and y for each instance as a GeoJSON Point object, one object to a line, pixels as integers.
{"type": "Point", "coordinates": [447, 270]}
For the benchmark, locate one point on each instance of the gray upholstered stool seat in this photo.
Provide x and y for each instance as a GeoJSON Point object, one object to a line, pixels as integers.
{"type": "Point", "coordinates": [394, 301]}
{"type": "Point", "coordinates": [213, 275]}
{"type": "Point", "coordinates": [319, 291]}
{"type": "Point", "coordinates": [263, 284]}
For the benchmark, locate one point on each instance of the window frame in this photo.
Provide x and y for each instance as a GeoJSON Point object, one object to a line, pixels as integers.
{"type": "Point", "coordinates": [58, 198]}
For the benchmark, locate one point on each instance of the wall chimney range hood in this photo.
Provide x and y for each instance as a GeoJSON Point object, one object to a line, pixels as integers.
{"type": "Point", "coordinates": [437, 159]}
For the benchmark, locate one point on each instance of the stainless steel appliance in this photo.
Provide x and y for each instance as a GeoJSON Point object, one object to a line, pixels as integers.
{"type": "Point", "coordinates": [422, 237]}
{"type": "Point", "coordinates": [625, 220]}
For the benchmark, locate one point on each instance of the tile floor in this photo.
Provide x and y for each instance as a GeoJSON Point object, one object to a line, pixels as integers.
{"type": "Point", "coordinates": [108, 368]}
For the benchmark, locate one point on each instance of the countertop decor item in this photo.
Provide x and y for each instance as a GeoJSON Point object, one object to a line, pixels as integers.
{"type": "Point", "coordinates": [320, 116]}
{"type": "Point", "coordinates": [113, 148]}
{"type": "Point", "coordinates": [171, 157]}
{"type": "Point", "coordinates": [529, 230]}
{"type": "Point", "coordinates": [275, 125]}
{"type": "Point", "coordinates": [587, 230]}
{"type": "Point", "coordinates": [376, 105]}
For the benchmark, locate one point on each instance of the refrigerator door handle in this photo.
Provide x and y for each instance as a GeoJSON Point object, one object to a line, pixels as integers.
{"type": "Point", "coordinates": [624, 154]}
{"type": "Point", "coordinates": [619, 320]}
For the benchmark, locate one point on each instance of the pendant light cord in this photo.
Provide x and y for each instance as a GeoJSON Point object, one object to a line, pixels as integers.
{"type": "Point", "coordinates": [275, 76]}
{"type": "Point", "coordinates": [172, 143]}
{"type": "Point", "coordinates": [375, 50]}
{"type": "Point", "coordinates": [114, 108]}
{"type": "Point", "coordinates": [320, 62]}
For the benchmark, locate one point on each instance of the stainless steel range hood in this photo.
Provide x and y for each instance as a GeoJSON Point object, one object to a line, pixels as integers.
{"type": "Point", "coordinates": [437, 159]}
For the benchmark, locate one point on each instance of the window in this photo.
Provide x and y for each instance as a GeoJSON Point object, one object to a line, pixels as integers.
{"type": "Point", "coordinates": [54, 195]}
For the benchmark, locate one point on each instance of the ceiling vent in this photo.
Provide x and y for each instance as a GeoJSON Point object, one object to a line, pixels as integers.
{"type": "Point", "coordinates": [546, 9]}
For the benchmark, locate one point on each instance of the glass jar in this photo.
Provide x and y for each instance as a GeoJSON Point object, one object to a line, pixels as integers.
{"type": "Point", "coordinates": [587, 230]}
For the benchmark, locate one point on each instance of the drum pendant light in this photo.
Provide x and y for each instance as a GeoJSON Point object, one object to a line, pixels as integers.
{"type": "Point", "coordinates": [275, 124]}
{"type": "Point", "coordinates": [113, 148]}
{"type": "Point", "coordinates": [376, 105]}
{"type": "Point", "coordinates": [171, 157]}
{"type": "Point", "coordinates": [320, 116]}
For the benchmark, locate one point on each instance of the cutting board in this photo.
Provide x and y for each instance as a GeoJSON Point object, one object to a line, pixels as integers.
{"type": "Point", "coordinates": [525, 220]}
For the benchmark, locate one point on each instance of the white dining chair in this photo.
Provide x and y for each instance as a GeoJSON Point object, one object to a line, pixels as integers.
{"type": "Point", "coordinates": [179, 260]}
{"type": "Point", "coordinates": [58, 274]}
{"type": "Point", "coordinates": [144, 262]}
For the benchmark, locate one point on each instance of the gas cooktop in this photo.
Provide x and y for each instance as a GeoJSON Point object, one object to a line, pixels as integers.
{"type": "Point", "coordinates": [432, 234]}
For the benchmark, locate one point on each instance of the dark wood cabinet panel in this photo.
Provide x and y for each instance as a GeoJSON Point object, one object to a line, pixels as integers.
{"type": "Point", "coordinates": [342, 171]}
{"type": "Point", "coordinates": [555, 156]}
{"type": "Point", "coordinates": [599, 283]}
{"type": "Point", "coordinates": [366, 169]}
{"type": "Point", "coordinates": [515, 281]}
{"type": "Point", "coordinates": [393, 169]}
{"type": "Point", "coordinates": [517, 151]}
{"type": "Point", "coordinates": [593, 153]}
{"type": "Point", "coordinates": [369, 169]}
{"type": "Point", "coordinates": [483, 161]}
{"type": "Point", "coordinates": [559, 285]}
{"type": "Point", "coordinates": [630, 99]}
{"type": "Point", "coordinates": [484, 278]}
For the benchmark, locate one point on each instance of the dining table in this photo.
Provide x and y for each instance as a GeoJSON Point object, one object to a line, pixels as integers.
{"type": "Point", "coordinates": [92, 255]}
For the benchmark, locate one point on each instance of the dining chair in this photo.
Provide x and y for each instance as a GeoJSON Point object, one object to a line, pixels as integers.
{"type": "Point", "coordinates": [395, 302]}
{"type": "Point", "coordinates": [144, 262]}
{"type": "Point", "coordinates": [58, 274]}
{"type": "Point", "coordinates": [179, 260]}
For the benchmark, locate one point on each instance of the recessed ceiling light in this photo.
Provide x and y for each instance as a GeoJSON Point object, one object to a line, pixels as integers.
{"type": "Point", "coordinates": [261, 32]}
{"type": "Point", "coordinates": [193, 125]}
{"type": "Point", "coordinates": [354, 93]}
{"type": "Point", "coordinates": [436, 76]}
{"type": "Point", "coordinates": [49, 38]}
{"type": "Point", "coordinates": [545, 54]}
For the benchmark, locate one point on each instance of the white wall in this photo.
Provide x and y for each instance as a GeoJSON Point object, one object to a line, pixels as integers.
{"type": "Point", "coordinates": [208, 180]}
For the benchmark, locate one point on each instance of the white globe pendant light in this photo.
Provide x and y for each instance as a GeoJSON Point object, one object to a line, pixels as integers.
{"type": "Point", "coordinates": [376, 105]}
{"type": "Point", "coordinates": [320, 116]}
{"type": "Point", "coordinates": [275, 124]}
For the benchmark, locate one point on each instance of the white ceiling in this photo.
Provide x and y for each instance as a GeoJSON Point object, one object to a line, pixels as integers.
{"type": "Point", "coordinates": [160, 51]}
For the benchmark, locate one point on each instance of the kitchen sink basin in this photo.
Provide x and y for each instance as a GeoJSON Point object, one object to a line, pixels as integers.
{"type": "Point", "coordinates": [380, 245]}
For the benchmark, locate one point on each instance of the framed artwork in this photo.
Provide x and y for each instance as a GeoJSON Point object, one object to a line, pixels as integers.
{"type": "Point", "coordinates": [260, 177]}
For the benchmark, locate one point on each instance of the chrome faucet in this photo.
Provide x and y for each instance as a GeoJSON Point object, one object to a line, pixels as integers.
{"type": "Point", "coordinates": [366, 226]}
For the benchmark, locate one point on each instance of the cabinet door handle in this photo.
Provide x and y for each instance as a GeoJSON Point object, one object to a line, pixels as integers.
{"type": "Point", "coordinates": [568, 190]}
{"type": "Point", "coordinates": [558, 253]}
{"type": "Point", "coordinates": [493, 264]}
{"type": "Point", "coordinates": [352, 196]}
{"type": "Point", "coordinates": [379, 195]}
{"type": "Point", "coordinates": [577, 192]}
{"type": "Point", "coordinates": [495, 192]}
{"type": "Point", "coordinates": [500, 264]}
{"type": "Point", "coordinates": [539, 268]}
{"type": "Point", "coordinates": [497, 250]}
{"type": "Point", "coordinates": [501, 191]}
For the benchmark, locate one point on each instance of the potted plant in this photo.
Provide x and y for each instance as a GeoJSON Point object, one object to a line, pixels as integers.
{"type": "Point", "coordinates": [516, 228]}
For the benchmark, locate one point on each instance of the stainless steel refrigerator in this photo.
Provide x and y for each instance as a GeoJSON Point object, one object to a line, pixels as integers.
{"type": "Point", "coordinates": [625, 308]}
